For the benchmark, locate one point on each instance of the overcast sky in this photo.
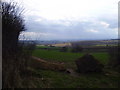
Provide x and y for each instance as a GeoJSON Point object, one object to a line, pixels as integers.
{"type": "Point", "coordinates": [70, 19]}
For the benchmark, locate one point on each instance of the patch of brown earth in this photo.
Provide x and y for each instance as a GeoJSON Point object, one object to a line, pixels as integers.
{"type": "Point", "coordinates": [43, 64]}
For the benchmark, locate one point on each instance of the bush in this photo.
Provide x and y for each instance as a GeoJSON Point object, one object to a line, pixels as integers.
{"type": "Point", "coordinates": [114, 53]}
{"type": "Point", "coordinates": [64, 49]}
{"type": "Point", "coordinates": [13, 57]}
{"type": "Point", "coordinates": [77, 49]}
{"type": "Point", "coordinates": [12, 25]}
{"type": "Point", "coordinates": [88, 63]}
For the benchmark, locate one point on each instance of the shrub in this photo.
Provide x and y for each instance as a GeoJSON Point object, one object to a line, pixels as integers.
{"type": "Point", "coordinates": [77, 48]}
{"type": "Point", "coordinates": [64, 49]}
{"type": "Point", "coordinates": [13, 56]}
{"type": "Point", "coordinates": [12, 25]}
{"type": "Point", "coordinates": [88, 63]}
{"type": "Point", "coordinates": [114, 53]}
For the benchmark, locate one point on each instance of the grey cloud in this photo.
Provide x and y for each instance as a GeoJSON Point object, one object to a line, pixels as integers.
{"type": "Point", "coordinates": [76, 29]}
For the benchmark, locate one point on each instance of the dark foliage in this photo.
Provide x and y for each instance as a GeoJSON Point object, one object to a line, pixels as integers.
{"type": "Point", "coordinates": [13, 56]}
{"type": "Point", "coordinates": [64, 49]}
{"type": "Point", "coordinates": [114, 54]}
{"type": "Point", "coordinates": [77, 48]}
{"type": "Point", "coordinates": [12, 25]}
{"type": "Point", "coordinates": [88, 63]}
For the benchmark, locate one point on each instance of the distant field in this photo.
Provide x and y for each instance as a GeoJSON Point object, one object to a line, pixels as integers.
{"type": "Point", "coordinates": [46, 47]}
{"type": "Point", "coordinates": [62, 44]}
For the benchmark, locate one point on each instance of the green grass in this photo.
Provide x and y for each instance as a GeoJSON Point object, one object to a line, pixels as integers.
{"type": "Point", "coordinates": [67, 56]}
{"type": "Point", "coordinates": [103, 57]}
{"type": "Point", "coordinates": [56, 55]}
{"type": "Point", "coordinates": [53, 79]}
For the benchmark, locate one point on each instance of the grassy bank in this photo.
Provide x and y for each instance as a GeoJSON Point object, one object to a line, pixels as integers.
{"type": "Point", "coordinates": [52, 79]}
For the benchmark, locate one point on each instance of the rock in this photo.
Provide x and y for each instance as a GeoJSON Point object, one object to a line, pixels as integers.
{"type": "Point", "coordinates": [88, 63]}
{"type": "Point", "coordinates": [69, 71]}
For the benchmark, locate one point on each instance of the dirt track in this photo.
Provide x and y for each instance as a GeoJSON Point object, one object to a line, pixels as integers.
{"type": "Point", "coordinates": [53, 66]}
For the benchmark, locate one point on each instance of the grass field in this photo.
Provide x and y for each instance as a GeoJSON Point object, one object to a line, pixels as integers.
{"type": "Point", "coordinates": [54, 79]}
{"type": "Point", "coordinates": [68, 56]}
